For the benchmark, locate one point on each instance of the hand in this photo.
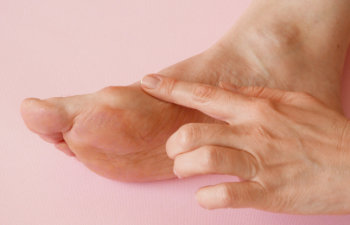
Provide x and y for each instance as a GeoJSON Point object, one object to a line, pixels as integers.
{"type": "Point", "coordinates": [289, 149]}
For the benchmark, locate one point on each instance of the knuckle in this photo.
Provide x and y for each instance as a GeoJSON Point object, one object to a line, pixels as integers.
{"type": "Point", "coordinates": [203, 92]}
{"type": "Point", "coordinates": [209, 159]}
{"type": "Point", "coordinates": [188, 133]}
{"type": "Point", "coordinates": [168, 86]}
{"type": "Point", "coordinates": [260, 131]}
{"type": "Point", "coordinates": [226, 196]}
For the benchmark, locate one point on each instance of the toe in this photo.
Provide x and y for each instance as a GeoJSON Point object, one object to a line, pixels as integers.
{"type": "Point", "coordinates": [48, 118]}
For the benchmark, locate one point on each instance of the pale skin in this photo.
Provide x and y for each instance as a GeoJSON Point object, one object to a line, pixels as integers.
{"type": "Point", "coordinates": [121, 132]}
{"type": "Point", "coordinates": [291, 150]}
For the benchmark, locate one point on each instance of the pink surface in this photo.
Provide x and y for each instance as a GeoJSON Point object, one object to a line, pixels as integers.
{"type": "Point", "coordinates": [63, 47]}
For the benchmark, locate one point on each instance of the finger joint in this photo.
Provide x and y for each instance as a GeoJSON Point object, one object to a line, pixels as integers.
{"type": "Point", "coordinates": [188, 133]}
{"type": "Point", "coordinates": [203, 93]}
{"type": "Point", "coordinates": [210, 159]}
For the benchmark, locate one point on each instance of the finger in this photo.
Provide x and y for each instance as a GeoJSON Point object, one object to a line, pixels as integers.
{"type": "Point", "coordinates": [231, 195]}
{"type": "Point", "coordinates": [215, 160]}
{"type": "Point", "coordinates": [286, 97]}
{"type": "Point", "coordinates": [257, 91]}
{"type": "Point", "coordinates": [213, 101]}
{"type": "Point", "coordinates": [193, 135]}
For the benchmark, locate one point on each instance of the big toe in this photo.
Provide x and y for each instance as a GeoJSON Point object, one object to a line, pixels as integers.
{"type": "Point", "coordinates": [48, 118]}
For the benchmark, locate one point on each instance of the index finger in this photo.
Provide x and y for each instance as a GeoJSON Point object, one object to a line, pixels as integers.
{"type": "Point", "coordinates": [213, 101]}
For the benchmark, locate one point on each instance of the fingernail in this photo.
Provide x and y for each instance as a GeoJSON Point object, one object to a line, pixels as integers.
{"type": "Point", "coordinates": [178, 176]}
{"type": "Point", "coordinates": [150, 81]}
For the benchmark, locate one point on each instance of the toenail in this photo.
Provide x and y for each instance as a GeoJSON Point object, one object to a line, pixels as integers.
{"type": "Point", "coordinates": [150, 81]}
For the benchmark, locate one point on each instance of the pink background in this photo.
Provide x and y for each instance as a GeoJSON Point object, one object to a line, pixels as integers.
{"type": "Point", "coordinates": [64, 47]}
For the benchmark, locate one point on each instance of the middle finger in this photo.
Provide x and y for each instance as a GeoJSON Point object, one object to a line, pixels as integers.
{"type": "Point", "coordinates": [194, 135]}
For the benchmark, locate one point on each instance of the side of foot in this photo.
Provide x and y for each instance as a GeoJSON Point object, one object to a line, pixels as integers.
{"type": "Point", "coordinates": [120, 132]}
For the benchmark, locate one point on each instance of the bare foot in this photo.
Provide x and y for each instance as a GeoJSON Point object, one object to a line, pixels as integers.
{"type": "Point", "coordinates": [120, 132]}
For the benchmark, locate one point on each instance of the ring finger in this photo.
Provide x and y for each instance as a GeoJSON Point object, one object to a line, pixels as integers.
{"type": "Point", "coordinates": [194, 135]}
{"type": "Point", "coordinates": [211, 159]}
